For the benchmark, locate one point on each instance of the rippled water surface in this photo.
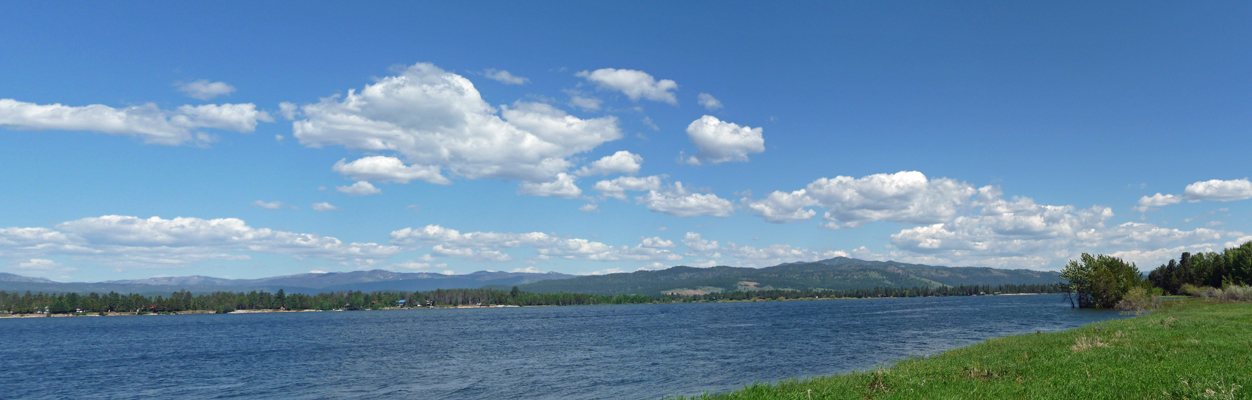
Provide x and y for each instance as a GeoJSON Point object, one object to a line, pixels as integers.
{"type": "Point", "coordinates": [608, 352]}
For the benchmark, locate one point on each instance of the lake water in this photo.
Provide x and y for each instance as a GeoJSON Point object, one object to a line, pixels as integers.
{"type": "Point", "coordinates": [580, 352]}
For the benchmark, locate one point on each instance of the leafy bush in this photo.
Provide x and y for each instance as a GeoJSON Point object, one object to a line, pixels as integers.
{"type": "Point", "coordinates": [1100, 281]}
{"type": "Point", "coordinates": [1191, 290]}
{"type": "Point", "coordinates": [1198, 291]}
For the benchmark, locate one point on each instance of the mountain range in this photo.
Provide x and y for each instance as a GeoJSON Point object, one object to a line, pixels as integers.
{"type": "Point", "coordinates": [839, 273]}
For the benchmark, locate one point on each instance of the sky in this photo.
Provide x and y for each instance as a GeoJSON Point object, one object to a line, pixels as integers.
{"type": "Point", "coordinates": [254, 139]}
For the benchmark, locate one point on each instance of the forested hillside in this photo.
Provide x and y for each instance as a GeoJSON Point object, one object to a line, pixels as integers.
{"type": "Point", "coordinates": [834, 274]}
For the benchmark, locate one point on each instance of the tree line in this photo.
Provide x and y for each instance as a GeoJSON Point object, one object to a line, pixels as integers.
{"type": "Point", "coordinates": [224, 302]}
{"type": "Point", "coordinates": [938, 291]}
{"type": "Point", "coordinates": [1233, 266]}
{"type": "Point", "coordinates": [1102, 281]}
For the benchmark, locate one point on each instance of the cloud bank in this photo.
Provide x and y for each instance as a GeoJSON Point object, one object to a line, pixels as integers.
{"type": "Point", "coordinates": [162, 243]}
{"type": "Point", "coordinates": [491, 246]}
{"type": "Point", "coordinates": [146, 122]}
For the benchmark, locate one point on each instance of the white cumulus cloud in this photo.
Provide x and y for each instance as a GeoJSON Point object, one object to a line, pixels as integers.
{"type": "Point", "coordinates": [480, 255]}
{"type": "Point", "coordinates": [617, 187]}
{"type": "Point", "coordinates": [1020, 233]}
{"type": "Point", "coordinates": [782, 207]}
{"type": "Point", "coordinates": [904, 197]}
{"type": "Point", "coordinates": [504, 77]}
{"type": "Point", "coordinates": [324, 206]}
{"type": "Point", "coordinates": [678, 202]}
{"type": "Point", "coordinates": [1210, 190]}
{"type": "Point", "coordinates": [227, 117]}
{"type": "Point", "coordinates": [39, 264]}
{"type": "Point", "coordinates": [580, 100]}
{"type": "Point", "coordinates": [360, 188]}
{"type": "Point", "coordinates": [719, 141]}
{"type": "Point", "coordinates": [959, 224]}
{"type": "Point", "coordinates": [697, 244]}
{"type": "Point", "coordinates": [622, 162]}
{"type": "Point", "coordinates": [147, 122]}
{"type": "Point", "coordinates": [273, 205]}
{"type": "Point", "coordinates": [634, 84]}
{"type": "Point", "coordinates": [437, 120]}
{"type": "Point", "coordinates": [1147, 203]}
{"type": "Point", "coordinates": [656, 242]}
{"type": "Point", "coordinates": [203, 89]}
{"type": "Point", "coordinates": [1219, 190]}
{"type": "Point", "coordinates": [158, 242]}
{"type": "Point", "coordinates": [389, 169]}
{"type": "Point", "coordinates": [288, 110]}
{"type": "Point", "coordinates": [709, 102]}
{"type": "Point", "coordinates": [563, 186]}
{"type": "Point", "coordinates": [445, 242]}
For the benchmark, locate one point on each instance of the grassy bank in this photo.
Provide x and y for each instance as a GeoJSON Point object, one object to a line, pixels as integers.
{"type": "Point", "coordinates": [1189, 350]}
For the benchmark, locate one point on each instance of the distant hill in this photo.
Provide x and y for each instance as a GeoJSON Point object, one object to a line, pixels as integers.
{"type": "Point", "coordinates": [837, 273]}
{"type": "Point", "coordinates": [11, 278]}
{"type": "Point", "coordinates": [196, 280]}
{"type": "Point", "coordinates": [367, 281]}
{"type": "Point", "coordinates": [840, 273]}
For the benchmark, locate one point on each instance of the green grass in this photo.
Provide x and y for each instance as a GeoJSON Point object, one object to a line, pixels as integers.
{"type": "Point", "coordinates": [1189, 350]}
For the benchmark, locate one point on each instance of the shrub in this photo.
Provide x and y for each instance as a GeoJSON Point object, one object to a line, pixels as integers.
{"type": "Point", "coordinates": [1233, 293]}
{"type": "Point", "coordinates": [1197, 291]}
{"type": "Point", "coordinates": [1100, 281]}
{"type": "Point", "coordinates": [1139, 300]}
{"type": "Point", "coordinates": [1190, 290]}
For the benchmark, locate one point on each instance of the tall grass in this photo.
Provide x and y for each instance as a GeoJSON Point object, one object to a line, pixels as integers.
{"type": "Point", "coordinates": [1188, 349]}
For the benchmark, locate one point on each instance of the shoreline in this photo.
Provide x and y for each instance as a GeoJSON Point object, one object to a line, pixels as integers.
{"type": "Point", "coordinates": [1189, 348]}
{"type": "Point", "coordinates": [457, 307]}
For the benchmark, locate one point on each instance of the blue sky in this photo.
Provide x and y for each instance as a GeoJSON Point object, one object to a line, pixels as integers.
{"type": "Point", "coordinates": [246, 140]}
